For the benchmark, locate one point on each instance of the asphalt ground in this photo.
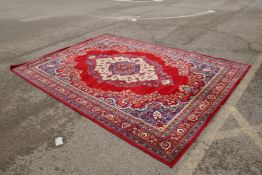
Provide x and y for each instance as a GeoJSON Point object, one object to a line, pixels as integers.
{"type": "Point", "coordinates": [30, 120]}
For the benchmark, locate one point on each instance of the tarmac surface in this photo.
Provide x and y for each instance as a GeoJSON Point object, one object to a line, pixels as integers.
{"type": "Point", "coordinates": [30, 120]}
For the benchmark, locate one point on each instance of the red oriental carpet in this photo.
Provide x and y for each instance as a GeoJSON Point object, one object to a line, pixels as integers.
{"type": "Point", "coordinates": [156, 98]}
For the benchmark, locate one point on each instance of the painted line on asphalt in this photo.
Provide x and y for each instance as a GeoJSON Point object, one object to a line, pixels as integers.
{"type": "Point", "coordinates": [183, 16]}
{"type": "Point", "coordinates": [135, 18]}
{"type": "Point", "coordinates": [250, 133]}
{"type": "Point", "coordinates": [237, 131]}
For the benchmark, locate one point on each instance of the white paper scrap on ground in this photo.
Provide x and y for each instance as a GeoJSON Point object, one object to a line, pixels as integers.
{"type": "Point", "coordinates": [132, 19]}
{"type": "Point", "coordinates": [59, 141]}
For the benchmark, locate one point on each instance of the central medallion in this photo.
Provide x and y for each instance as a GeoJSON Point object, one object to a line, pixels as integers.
{"type": "Point", "coordinates": [128, 70]}
{"type": "Point", "coordinates": [124, 68]}
{"type": "Point", "coordinates": [135, 72]}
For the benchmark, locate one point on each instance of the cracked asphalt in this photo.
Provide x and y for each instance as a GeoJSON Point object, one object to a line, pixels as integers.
{"type": "Point", "coordinates": [30, 120]}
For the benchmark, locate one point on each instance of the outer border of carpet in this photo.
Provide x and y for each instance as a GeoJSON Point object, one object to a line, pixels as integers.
{"type": "Point", "coordinates": [170, 164]}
